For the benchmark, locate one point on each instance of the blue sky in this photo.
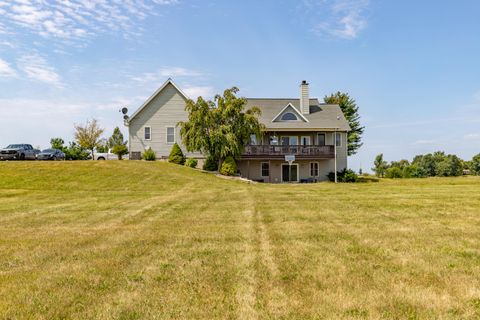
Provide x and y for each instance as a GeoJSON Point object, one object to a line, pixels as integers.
{"type": "Point", "coordinates": [412, 66]}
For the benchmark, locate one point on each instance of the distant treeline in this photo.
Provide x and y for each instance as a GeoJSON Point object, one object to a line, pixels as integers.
{"type": "Point", "coordinates": [437, 164]}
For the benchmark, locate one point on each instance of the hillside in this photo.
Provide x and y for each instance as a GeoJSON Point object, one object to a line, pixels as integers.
{"type": "Point", "coordinates": [140, 240]}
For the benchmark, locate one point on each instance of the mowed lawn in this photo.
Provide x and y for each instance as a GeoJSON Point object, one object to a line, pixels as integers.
{"type": "Point", "coordinates": [140, 240]}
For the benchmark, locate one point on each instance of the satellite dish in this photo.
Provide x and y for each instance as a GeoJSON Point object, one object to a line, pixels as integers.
{"type": "Point", "coordinates": [124, 110]}
{"type": "Point", "coordinates": [125, 117]}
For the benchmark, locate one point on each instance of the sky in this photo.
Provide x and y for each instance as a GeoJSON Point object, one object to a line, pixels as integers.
{"type": "Point", "coordinates": [413, 67]}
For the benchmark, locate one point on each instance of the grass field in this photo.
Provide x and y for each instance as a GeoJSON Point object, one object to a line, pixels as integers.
{"type": "Point", "coordinates": [138, 240]}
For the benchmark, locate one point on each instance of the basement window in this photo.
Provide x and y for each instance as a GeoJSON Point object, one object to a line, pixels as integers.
{"type": "Point", "coordinates": [265, 169]}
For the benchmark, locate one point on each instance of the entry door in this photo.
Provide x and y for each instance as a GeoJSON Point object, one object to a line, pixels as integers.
{"type": "Point", "coordinates": [289, 173]}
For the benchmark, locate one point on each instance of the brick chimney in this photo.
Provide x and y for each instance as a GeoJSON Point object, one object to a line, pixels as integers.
{"type": "Point", "coordinates": [304, 97]}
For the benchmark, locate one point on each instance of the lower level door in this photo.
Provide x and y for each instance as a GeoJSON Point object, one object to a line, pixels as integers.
{"type": "Point", "coordinates": [289, 173]}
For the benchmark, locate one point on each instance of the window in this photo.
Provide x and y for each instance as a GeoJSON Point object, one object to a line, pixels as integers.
{"type": "Point", "coordinates": [147, 133]}
{"type": "Point", "coordinates": [289, 117]}
{"type": "Point", "coordinates": [314, 169]}
{"type": "Point", "coordinates": [321, 139]}
{"type": "Point", "coordinates": [289, 141]}
{"type": "Point", "coordinates": [265, 169]}
{"type": "Point", "coordinates": [338, 139]}
{"type": "Point", "coordinates": [253, 139]}
{"type": "Point", "coordinates": [306, 141]}
{"type": "Point", "coordinates": [170, 134]}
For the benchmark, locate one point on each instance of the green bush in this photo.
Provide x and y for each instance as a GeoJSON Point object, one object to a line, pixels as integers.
{"type": "Point", "coordinates": [475, 165]}
{"type": "Point", "coordinates": [394, 173]}
{"type": "Point", "coordinates": [76, 152]}
{"type": "Point", "coordinates": [229, 167]}
{"type": "Point", "coordinates": [120, 150]}
{"type": "Point", "coordinates": [176, 155]}
{"type": "Point", "coordinates": [191, 162]}
{"type": "Point", "coordinates": [346, 175]}
{"type": "Point", "coordinates": [149, 155]}
{"type": "Point", "coordinates": [210, 164]}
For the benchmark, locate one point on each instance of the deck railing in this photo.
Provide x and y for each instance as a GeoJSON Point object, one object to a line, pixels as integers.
{"type": "Point", "coordinates": [307, 151]}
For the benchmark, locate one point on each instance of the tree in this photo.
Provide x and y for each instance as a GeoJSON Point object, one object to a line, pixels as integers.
{"type": "Point", "coordinates": [116, 139]}
{"type": "Point", "coordinates": [120, 150]}
{"type": "Point", "coordinates": [57, 143]}
{"type": "Point", "coordinates": [350, 110]}
{"type": "Point", "coordinates": [380, 166]}
{"type": "Point", "coordinates": [176, 155]}
{"type": "Point", "coordinates": [220, 128]}
{"type": "Point", "coordinates": [475, 165]}
{"type": "Point", "coordinates": [88, 136]}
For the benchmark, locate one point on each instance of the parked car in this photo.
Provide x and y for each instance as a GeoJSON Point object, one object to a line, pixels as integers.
{"type": "Point", "coordinates": [51, 154]}
{"type": "Point", "coordinates": [108, 156]}
{"type": "Point", "coordinates": [19, 152]}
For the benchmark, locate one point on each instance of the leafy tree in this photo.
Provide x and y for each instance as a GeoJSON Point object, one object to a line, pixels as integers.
{"type": "Point", "coordinates": [57, 143]}
{"type": "Point", "coordinates": [88, 136]}
{"type": "Point", "coordinates": [426, 163]}
{"type": "Point", "coordinates": [116, 139]}
{"type": "Point", "coordinates": [380, 166]}
{"type": "Point", "coordinates": [176, 155]}
{"type": "Point", "coordinates": [394, 173]}
{"type": "Point", "coordinates": [475, 165]}
{"type": "Point", "coordinates": [120, 150]}
{"type": "Point", "coordinates": [220, 128]}
{"type": "Point", "coordinates": [350, 110]}
{"type": "Point", "coordinates": [229, 167]}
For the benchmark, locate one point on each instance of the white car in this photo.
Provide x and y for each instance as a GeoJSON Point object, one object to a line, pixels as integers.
{"type": "Point", "coordinates": [108, 156]}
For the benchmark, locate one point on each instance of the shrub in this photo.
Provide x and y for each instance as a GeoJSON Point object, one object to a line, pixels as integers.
{"type": "Point", "coordinates": [76, 152]}
{"type": "Point", "coordinates": [210, 164]}
{"type": "Point", "coordinates": [191, 162]}
{"type": "Point", "coordinates": [229, 167]}
{"type": "Point", "coordinates": [149, 155]}
{"type": "Point", "coordinates": [120, 150]}
{"type": "Point", "coordinates": [475, 165]}
{"type": "Point", "coordinates": [346, 175]}
{"type": "Point", "coordinates": [176, 155]}
{"type": "Point", "coordinates": [394, 173]}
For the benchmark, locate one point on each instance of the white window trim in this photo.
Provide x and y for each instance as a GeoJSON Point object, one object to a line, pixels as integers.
{"type": "Point", "coordinates": [318, 169]}
{"type": "Point", "coordinates": [309, 140]}
{"type": "Point", "coordinates": [261, 169]}
{"type": "Point", "coordinates": [335, 139]}
{"type": "Point", "coordinates": [150, 129]}
{"type": "Point", "coordinates": [174, 135]}
{"type": "Point", "coordinates": [299, 114]}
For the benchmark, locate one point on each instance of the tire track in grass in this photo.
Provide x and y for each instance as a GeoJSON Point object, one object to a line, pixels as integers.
{"type": "Point", "coordinates": [276, 298]}
{"type": "Point", "coordinates": [246, 292]}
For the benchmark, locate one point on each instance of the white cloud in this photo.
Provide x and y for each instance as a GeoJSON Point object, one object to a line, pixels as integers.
{"type": "Point", "coordinates": [193, 92]}
{"type": "Point", "coordinates": [343, 19]}
{"type": "Point", "coordinates": [6, 70]}
{"type": "Point", "coordinates": [78, 19]}
{"type": "Point", "coordinates": [37, 68]}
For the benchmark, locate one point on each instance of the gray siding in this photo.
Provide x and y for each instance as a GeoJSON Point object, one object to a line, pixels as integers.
{"type": "Point", "coordinates": [167, 109]}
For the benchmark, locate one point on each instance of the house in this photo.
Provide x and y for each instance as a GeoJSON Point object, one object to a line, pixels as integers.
{"type": "Point", "coordinates": [312, 135]}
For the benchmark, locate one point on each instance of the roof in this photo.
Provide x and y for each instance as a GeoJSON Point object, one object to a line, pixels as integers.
{"type": "Point", "coordinates": [321, 116]}
{"type": "Point", "coordinates": [163, 86]}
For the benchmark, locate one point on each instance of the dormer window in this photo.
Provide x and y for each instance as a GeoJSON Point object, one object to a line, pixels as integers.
{"type": "Point", "coordinates": [289, 116]}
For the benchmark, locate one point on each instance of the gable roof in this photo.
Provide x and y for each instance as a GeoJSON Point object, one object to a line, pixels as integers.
{"type": "Point", "coordinates": [322, 116]}
{"type": "Point", "coordinates": [298, 113]}
{"type": "Point", "coordinates": [156, 93]}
